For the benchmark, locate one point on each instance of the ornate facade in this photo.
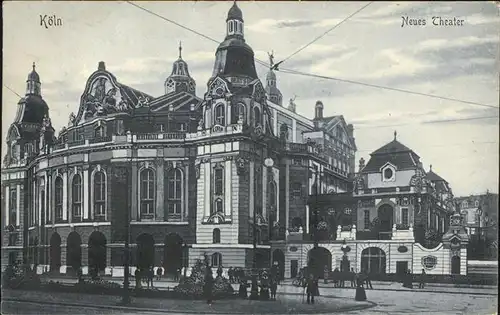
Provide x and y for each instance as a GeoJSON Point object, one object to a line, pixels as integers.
{"type": "Point", "coordinates": [396, 218]}
{"type": "Point", "coordinates": [215, 173]}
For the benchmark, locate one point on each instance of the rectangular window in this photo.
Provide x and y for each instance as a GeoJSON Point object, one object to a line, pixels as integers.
{"type": "Point", "coordinates": [404, 216]}
{"type": "Point", "coordinates": [367, 219]}
{"type": "Point", "coordinates": [13, 206]}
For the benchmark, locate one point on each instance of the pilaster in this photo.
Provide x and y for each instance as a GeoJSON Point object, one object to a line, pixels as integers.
{"type": "Point", "coordinates": [7, 205]}
{"type": "Point", "coordinates": [18, 205]}
{"type": "Point", "coordinates": [160, 190]}
{"type": "Point", "coordinates": [86, 190]}
{"type": "Point", "coordinates": [134, 212]}
{"type": "Point", "coordinates": [252, 189]}
{"type": "Point", "coordinates": [227, 188]}
{"type": "Point", "coordinates": [65, 196]}
{"type": "Point", "coordinates": [287, 194]}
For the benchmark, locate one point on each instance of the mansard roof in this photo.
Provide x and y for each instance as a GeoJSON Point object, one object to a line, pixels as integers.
{"type": "Point", "coordinates": [180, 101]}
{"type": "Point", "coordinates": [395, 153]}
{"type": "Point", "coordinates": [434, 177]}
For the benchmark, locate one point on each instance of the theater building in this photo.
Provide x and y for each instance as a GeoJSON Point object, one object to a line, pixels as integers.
{"type": "Point", "coordinates": [185, 175]}
{"type": "Point", "coordinates": [398, 217]}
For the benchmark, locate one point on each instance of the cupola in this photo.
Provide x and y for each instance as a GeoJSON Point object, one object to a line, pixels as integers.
{"type": "Point", "coordinates": [318, 110]}
{"type": "Point", "coordinates": [33, 84]}
{"type": "Point", "coordinates": [180, 80]}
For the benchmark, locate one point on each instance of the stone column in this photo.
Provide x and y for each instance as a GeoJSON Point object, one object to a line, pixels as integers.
{"type": "Point", "coordinates": [185, 211]}
{"type": "Point", "coordinates": [134, 211]}
{"type": "Point", "coordinates": [208, 179]}
{"type": "Point", "coordinates": [252, 189]}
{"type": "Point", "coordinates": [7, 205]}
{"type": "Point", "coordinates": [18, 205]}
{"type": "Point", "coordinates": [227, 188]}
{"type": "Point", "coordinates": [160, 189]}
{"type": "Point", "coordinates": [287, 194]}
{"type": "Point", "coordinates": [86, 190]}
{"type": "Point", "coordinates": [65, 196]}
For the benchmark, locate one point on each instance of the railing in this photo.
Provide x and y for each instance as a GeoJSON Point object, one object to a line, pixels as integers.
{"type": "Point", "coordinates": [100, 139]}
{"type": "Point", "coordinates": [76, 143]}
{"type": "Point", "coordinates": [161, 136]}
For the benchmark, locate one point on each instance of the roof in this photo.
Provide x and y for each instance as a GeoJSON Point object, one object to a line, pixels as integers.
{"type": "Point", "coordinates": [234, 13]}
{"type": "Point", "coordinates": [393, 147]}
{"type": "Point", "coordinates": [181, 101]}
{"type": "Point", "coordinates": [132, 94]}
{"type": "Point", "coordinates": [401, 160]}
{"type": "Point", "coordinates": [434, 177]}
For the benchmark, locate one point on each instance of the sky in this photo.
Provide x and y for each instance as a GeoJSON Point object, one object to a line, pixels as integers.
{"type": "Point", "coordinates": [372, 47]}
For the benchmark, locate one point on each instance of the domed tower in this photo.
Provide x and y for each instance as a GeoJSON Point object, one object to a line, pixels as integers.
{"type": "Point", "coordinates": [234, 58]}
{"type": "Point", "coordinates": [180, 80]}
{"type": "Point", "coordinates": [272, 90]}
{"type": "Point", "coordinates": [33, 85]}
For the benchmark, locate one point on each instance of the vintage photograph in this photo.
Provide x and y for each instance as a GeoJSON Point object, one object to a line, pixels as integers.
{"type": "Point", "coordinates": [250, 157]}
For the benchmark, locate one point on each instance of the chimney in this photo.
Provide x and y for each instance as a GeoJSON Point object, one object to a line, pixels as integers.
{"type": "Point", "coordinates": [318, 110]}
{"type": "Point", "coordinates": [101, 66]}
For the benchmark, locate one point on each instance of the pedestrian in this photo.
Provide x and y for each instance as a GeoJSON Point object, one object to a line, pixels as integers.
{"type": "Point", "coordinates": [409, 280]}
{"type": "Point", "coordinates": [230, 274]}
{"type": "Point", "coordinates": [360, 290]}
{"type": "Point", "coordinates": [312, 288]}
{"type": "Point", "coordinates": [353, 278]}
{"type": "Point", "coordinates": [151, 275]}
{"type": "Point", "coordinates": [208, 286]}
{"type": "Point", "coordinates": [137, 275]}
{"type": "Point", "coordinates": [421, 283]}
{"type": "Point", "coordinates": [368, 280]}
{"type": "Point", "coordinates": [159, 273]}
{"type": "Point", "coordinates": [274, 288]}
{"type": "Point", "coordinates": [219, 271]}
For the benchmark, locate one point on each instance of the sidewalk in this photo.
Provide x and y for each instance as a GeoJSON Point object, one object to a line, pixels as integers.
{"type": "Point", "coordinates": [168, 284]}
{"type": "Point", "coordinates": [285, 304]}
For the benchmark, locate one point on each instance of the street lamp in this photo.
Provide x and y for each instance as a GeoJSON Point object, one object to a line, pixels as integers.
{"type": "Point", "coordinates": [479, 214]}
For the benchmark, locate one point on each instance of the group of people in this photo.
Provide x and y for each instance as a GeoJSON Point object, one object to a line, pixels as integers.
{"type": "Point", "coordinates": [339, 278]}
{"type": "Point", "coordinates": [407, 279]}
{"type": "Point", "coordinates": [144, 276]}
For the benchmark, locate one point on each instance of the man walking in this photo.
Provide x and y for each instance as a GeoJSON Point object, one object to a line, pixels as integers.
{"type": "Point", "coordinates": [312, 288]}
{"type": "Point", "coordinates": [368, 280]}
{"type": "Point", "coordinates": [207, 288]}
{"type": "Point", "coordinates": [353, 278]}
{"type": "Point", "coordinates": [421, 283]}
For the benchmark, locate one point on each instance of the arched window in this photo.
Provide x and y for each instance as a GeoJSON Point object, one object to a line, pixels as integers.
{"type": "Point", "coordinates": [240, 111]}
{"type": "Point", "coordinates": [373, 260]}
{"type": "Point", "coordinates": [174, 194]}
{"type": "Point", "coordinates": [99, 195]}
{"type": "Point", "coordinates": [231, 26]}
{"type": "Point", "coordinates": [218, 205]}
{"type": "Point", "coordinates": [58, 199]}
{"type": "Point", "coordinates": [147, 192]}
{"type": "Point", "coordinates": [220, 116]}
{"type": "Point", "coordinates": [216, 259]}
{"type": "Point", "coordinates": [216, 236]}
{"type": "Point", "coordinates": [13, 206]}
{"type": "Point", "coordinates": [76, 195]}
{"type": "Point", "coordinates": [218, 181]}
{"type": "Point", "coordinates": [256, 113]}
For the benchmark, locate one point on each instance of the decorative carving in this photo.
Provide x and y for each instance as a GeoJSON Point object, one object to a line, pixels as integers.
{"type": "Point", "coordinates": [121, 174]}
{"type": "Point", "coordinates": [241, 166]}
{"type": "Point", "coordinates": [217, 218]}
{"type": "Point", "coordinates": [205, 160]}
{"type": "Point", "coordinates": [159, 162]}
{"type": "Point", "coordinates": [259, 94]}
{"type": "Point", "coordinates": [168, 165]}
{"type": "Point", "coordinates": [228, 158]}
{"type": "Point", "coordinates": [200, 124]}
{"type": "Point", "coordinates": [258, 130]}
{"type": "Point", "coordinates": [429, 262]}
{"type": "Point", "coordinates": [217, 88]}
{"type": "Point", "coordinates": [218, 128]}
{"type": "Point", "coordinates": [72, 119]}
{"type": "Point", "coordinates": [104, 98]}
{"type": "Point", "coordinates": [142, 101]}
{"type": "Point", "coordinates": [197, 171]}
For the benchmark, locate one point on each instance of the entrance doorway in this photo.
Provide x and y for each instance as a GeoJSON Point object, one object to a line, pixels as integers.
{"type": "Point", "coordinates": [401, 267]}
{"type": "Point", "coordinates": [172, 254]}
{"type": "Point", "coordinates": [97, 252]}
{"type": "Point", "coordinates": [74, 252]}
{"type": "Point", "coordinates": [55, 253]}
{"type": "Point", "coordinates": [318, 258]}
{"type": "Point", "coordinates": [294, 268]}
{"type": "Point", "coordinates": [279, 257]}
{"type": "Point", "coordinates": [145, 251]}
{"type": "Point", "coordinates": [455, 265]}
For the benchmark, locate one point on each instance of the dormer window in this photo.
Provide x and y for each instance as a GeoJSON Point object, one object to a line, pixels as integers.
{"type": "Point", "coordinates": [388, 173]}
{"type": "Point", "coordinates": [220, 115]}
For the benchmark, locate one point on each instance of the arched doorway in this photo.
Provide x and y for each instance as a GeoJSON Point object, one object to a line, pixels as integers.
{"type": "Point", "coordinates": [373, 260]}
{"type": "Point", "coordinates": [172, 254]}
{"type": "Point", "coordinates": [55, 252]}
{"type": "Point", "coordinates": [145, 251]}
{"type": "Point", "coordinates": [455, 265]}
{"type": "Point", "coordinates": [97, 252]}
{"type": "Point", "coordinates": [279, 259]}
{"type": "Point", "coordinates": [74, 252]}
{"type": "Point", "coordinates": [317, 259]}
{"type": "Point", "coordinates": [385, 216]}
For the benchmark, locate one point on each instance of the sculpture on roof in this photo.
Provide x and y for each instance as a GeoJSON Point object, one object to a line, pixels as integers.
{"type": "Point", "coordinates": [103, 99]}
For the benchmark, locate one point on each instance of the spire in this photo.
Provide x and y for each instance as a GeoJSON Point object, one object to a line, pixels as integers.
{"type": "Point", "coordinates": [33, 85]}
{"type": "Point", "coordinates": [430, 169]}
{"type": "Point", "coordinates": [395, 135]}
{"type": "Point", "coordinates": [180, 50]}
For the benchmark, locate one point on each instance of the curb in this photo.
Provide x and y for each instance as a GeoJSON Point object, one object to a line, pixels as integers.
{"type": "Point", "coordinates": [163, 311]}
{"type": "Point", "coordinates": [412, 291]}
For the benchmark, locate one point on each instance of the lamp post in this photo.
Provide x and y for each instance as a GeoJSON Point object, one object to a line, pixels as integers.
{"type": "Point", "coordinates": [123, 176]}
{"type": "Point", "coordinates": [479, 214]}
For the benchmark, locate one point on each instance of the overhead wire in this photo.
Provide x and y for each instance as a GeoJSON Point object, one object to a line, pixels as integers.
{"type": "Point", "coordinates": [12, 90]}
{"type": "Point", "coordinates": [322, 35]}
{"type": "Point", "coordinates": [295, 72]}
